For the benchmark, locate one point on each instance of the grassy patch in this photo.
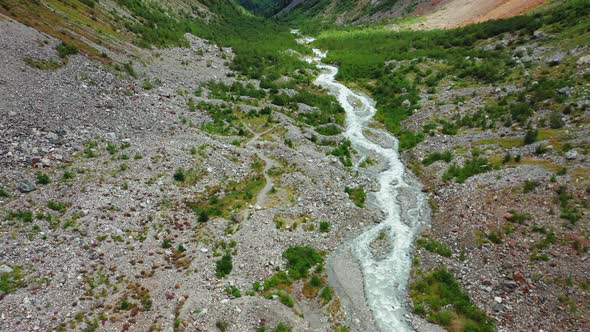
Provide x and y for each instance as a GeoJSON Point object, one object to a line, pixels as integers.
{"type": "Point", "coordinates": [430, 159]}
{"type": "Point", "coordinates": [504, 142]}
{"type": "Point", "coordinates": [11, 281]}
{"type": "Point", "coordinates": [438, 297]}
{"type": "Point", "coordinates": [357, 195]}
{"type": "Point", "coordinates": [470, 168]}
{"type": "Point", "coordinates": [434, 246]}
{"type": "Point", "coordinates": [235, 196]}
{"type": "Point", "coordinates": [300, 260]}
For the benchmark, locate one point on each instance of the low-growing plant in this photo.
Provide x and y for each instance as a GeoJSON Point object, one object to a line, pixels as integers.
{"type": "Point", "coordinates": [357, 195]}
{"type": "Point", "coordinates": [43, 178]}
{"type": "Point", "coordinates": [224, 266]}
{"type": "Point", "coordinates": [446, 156]}
{"type": "Point", "coordinates": [300, 259]}
{"type": "Point", "coordinates": [324, 226]}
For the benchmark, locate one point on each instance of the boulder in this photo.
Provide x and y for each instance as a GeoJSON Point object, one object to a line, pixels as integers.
{"type": "Point", "coordinates": [25, 187]}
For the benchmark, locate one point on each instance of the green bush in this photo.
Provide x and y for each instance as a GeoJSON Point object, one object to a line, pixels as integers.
{"type": "Point", "coordinates": [300, 260]}
{"type": "Point", "coordinates": [223, 266]}
{"type": "Point", "coordinates": [439, 298]}
{"type": "Point", "coordinates": [57, 206]}
{"type": "Point", "coordinates": [357, 195]}
{"type": "Point", "coordinates": [179, 175]}
{"type": "Point", "coordinates": [472, 167]}
{"type": "Point", "coordinates": [324, 226]}
{"type": "Point", "coordinates": [446, 156]}
{"type": "Point", "coordinates": [434, 246]}
{"type": "Point", "coordinates": [11, 281]}
{"type": "Point", "coordinates": [64, 50]}
{"type": "Point", "coordinates": [43, 178]}
{"type": "Point", "coordinates": [531, 136]}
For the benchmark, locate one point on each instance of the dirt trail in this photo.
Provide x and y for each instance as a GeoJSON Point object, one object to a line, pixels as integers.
{"type": "Point", "coordinates": [268, 164]}
{"type": "Point", "coordinates": [454, 13]}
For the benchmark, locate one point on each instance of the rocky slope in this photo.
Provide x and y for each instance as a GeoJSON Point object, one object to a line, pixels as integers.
{"type": "Point", "coordinates": [429, 13]}
{"type": "Point", "coordinates": [120, 195]}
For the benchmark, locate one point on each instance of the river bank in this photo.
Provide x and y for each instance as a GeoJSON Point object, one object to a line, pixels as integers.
{"type": "Point", "coordinates": [385, 275]}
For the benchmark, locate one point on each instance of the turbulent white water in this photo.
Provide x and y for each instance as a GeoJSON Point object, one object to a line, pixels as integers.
{"type": "Point", "coordinates": [400, 198]}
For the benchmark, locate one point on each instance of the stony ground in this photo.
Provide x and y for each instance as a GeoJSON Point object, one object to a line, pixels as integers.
{"type": "Point", "coordinates": [513, 250]}
{"type": "Point", "coordinates": [98, 233]}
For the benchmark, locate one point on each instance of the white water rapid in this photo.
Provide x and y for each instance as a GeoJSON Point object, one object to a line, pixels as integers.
{"type": "Point", "coordinates": [400, 198]}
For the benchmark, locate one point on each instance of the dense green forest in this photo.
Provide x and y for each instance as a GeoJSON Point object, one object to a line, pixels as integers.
{"type": "Point", "coordinates": [259, 43]}
{"type": "Point", "coordinates": [265, 7]}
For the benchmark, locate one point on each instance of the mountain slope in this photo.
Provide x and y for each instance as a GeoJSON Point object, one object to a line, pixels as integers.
{"type": "Point", "coordinates": [101, 29]}
{"type": "Point", "coordinates": [438, 13]}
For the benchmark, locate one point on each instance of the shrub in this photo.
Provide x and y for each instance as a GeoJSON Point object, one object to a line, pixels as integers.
{"type": "Point", "coordinates": [300, 260]}
{"type": "Point", "coordinates": [233, 291]}
{"type": "Point", "coordinates": [22, 215]}
{"type": "Point", "coordinates": [531, 136]}
{"type": "Point", "coordinates": [555, 121]}
{"type": "Point", "coordinates": [64, 50]}
{"type": "Point", "coordinates": [446, 156]}
{"type": "Point", "coordinates": [326, 295]}
{"type": "Point", "coordinates": [471, 168]}
{"type": "Point", "coordinates": [179, 175]}
{"type": "Point", "coordinates": [324, 226]}
{"type": "Point", "coordinates": [57, 206]}
{"type": "Point", "coordinates": [281, 327]}
{"type": "Point", "coordinates": [43, 178]}
{"type": "Point", "coordinates": [148, 85]}
{"type": "Point", "coordinates": [4, 193]}
{"type": "Point", "coordinates": [223, 266]}
{"type": "Point", "coordinates": [438, 297]}
{"type": "Point", "coordinates": [434, 246]}
{"type": "Point", "coordinates": [221, 325]}
{"type": "Point", "coordinates": [11, 281]}
{"type": "Point", "coordinates": [519, 217]}
{"type": "Point", "coordinates": [529, 185]}
{"type": "Point", "coordinates": [357, 195]}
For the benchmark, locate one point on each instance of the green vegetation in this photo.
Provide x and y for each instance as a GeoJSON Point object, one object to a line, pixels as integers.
{"type": "Point", "coordinates": [44, 64]}
{"type": "Point", "coordinates": [446, 156]}
{"type": "Point", "coordinates": [434, 246]}
{"type": "Point", "coordinates": [343, 152]}
{"type": "Point", "coordinates": [438, 297]}
{"type": "Point", "coordinates": [256, 41]}
{"type": "Point", "coordinates": [43, 178]}
{"type": "Point", "coordinates": [223, 266]}
{"type": "Point", "coordinates": [64, 50]}
{"type": "Point", "coordinates": [22, 215]}
{"type": "Point", "coordinates": [326, 295]}
{"type": "Point", "coordinates": [362, 52]}
{"type": "Point", "coordinates": [236, 195]}
{"type": "Point", "coordinates": [4, 193]}
{"type": "Point", "coordinates": [470, 168]}
{"type": "Point", "coordinates": [519, 217]}
{"type": "Point", "coordinates": [11, 281]}
{"type": "Point", "coordinates": [568, 206]}
{"type": "Point", "coordinates": [57, 206]}
{"type": "Point", "coordinates": [357, 195]}
{"type": "Point", "coordinates": [300, 260]}
{"type": "Point", "coordinates": [324, 226]}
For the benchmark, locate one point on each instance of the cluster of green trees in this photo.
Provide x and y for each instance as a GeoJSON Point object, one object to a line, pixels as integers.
{"type": "Point", "coordinates": [227, 92]}
{"type": "Point", "coordinates": [258, 43]}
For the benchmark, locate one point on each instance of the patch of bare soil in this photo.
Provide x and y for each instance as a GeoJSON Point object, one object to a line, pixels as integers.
{"type": "Point", "coordinates": [454, 13]}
